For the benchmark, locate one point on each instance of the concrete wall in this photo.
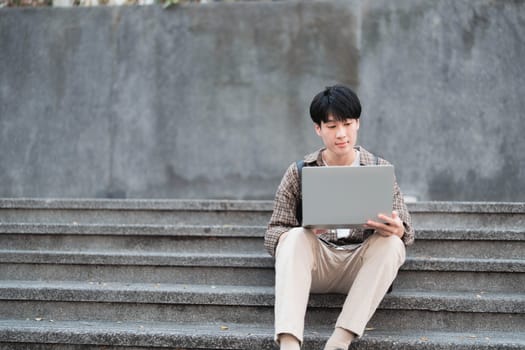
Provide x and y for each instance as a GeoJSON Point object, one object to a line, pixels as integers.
{"type": "Point", "coordinates": [211, 101]}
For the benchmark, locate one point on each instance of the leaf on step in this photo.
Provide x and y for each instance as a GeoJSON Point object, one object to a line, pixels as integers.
{"type": "Point", "coordinates": [39, 319]}
{"type": "Point", "coordinates": [471, 336]}
{"type": "Point", "coordinates": [424, 338]}
{"type": "Point", "coordinates": [224, 328]}
{"type": "Point", "coordinates": [369, 329]}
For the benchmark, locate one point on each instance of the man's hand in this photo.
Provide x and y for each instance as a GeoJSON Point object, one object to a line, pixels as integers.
{"type": "Point", "coordinates": [389, 225]}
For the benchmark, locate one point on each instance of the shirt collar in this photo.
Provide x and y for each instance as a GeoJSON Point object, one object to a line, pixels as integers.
{"type": "Point", "coordinates": [316, 158]}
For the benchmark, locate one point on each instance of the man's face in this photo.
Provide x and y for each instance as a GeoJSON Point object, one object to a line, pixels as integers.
{"type": "Point", "coordinates": [339, 137]}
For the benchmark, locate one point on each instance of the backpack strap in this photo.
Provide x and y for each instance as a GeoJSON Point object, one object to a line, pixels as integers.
{"type": "Point", "coordinates": [299, 205]}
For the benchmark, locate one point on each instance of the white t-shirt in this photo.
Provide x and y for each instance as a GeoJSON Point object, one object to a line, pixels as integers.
{"type": "Point", "coordinates": [344, 232]}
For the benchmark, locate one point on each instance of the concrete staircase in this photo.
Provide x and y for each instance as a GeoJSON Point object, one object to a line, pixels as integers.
{"type": "Point", "coordinates": [186, 274]}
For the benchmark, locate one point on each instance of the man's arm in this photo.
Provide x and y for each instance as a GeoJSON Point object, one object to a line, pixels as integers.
{"type": "Point", "coordinates": [402, 211]}
{"type": "Point", "coordinates": [398, 202]}
{"type": "Point", "coordinates": [397, 223]}
{"type": "Point", "coordinates": [284, 210]}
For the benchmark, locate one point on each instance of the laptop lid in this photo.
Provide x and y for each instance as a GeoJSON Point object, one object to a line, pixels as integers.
{"type": "Point", "coordinates": [346, 196]}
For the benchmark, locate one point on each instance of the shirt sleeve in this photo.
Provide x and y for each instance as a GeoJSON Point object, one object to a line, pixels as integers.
{"type": "Point", "coordinates": [284, 209]}
{"type": "Point", "coordinates": [402, 210]}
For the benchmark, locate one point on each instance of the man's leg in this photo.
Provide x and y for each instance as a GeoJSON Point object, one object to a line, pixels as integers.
{"type": "Point", "coordinates": [380, 259]}
{"type": "Point", "coordinates": [294, 260]}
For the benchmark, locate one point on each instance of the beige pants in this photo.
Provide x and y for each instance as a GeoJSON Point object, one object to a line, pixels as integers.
{"type": "Point", "coordinates": [305, 265]}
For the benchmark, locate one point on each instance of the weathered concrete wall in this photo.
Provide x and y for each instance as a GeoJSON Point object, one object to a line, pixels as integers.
{"type": "Point", "coordinates": [212, 100]}
{"type": "Point", "coordinates": [443, 83]}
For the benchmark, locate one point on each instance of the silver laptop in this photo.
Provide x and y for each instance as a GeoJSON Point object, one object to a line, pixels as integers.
{"type": "Point", "coordinates": [346, 196]}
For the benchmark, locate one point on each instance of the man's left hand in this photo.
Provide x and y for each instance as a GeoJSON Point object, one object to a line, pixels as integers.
{"type": "Point", "coordinates": [388, 225]}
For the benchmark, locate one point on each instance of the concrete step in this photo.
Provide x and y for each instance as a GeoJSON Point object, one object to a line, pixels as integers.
{"type": "Point", "coordinates": [461, 243]}
{"type": "Point", "coordinates": [62, 301]}
{"type": "Point", "coordinates": [91, 335]}
{"type": "Point", "coordinates": [437, 215]}
{"type": "Point", "coordinates": [240, 260]}
{"type": "Point", "coordinates": [80, 274]}
{"type": "Point", "coordinates": [135, 211]}
{"type": "Point", "coordinates": [469, 243]}
{"type": "Point", "coordinates": [496, 216]}
{"type": "Point", "coordinates": [244, 269]}
{"type": "Point", "coordinates": [127, 238]}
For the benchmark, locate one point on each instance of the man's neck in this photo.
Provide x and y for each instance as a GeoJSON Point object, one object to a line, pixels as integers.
{"type": "Point", "coordinates": [334, 159]}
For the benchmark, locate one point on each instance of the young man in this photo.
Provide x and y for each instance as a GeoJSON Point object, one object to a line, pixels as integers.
{"type": "Point", "coordinates": [361, 263]}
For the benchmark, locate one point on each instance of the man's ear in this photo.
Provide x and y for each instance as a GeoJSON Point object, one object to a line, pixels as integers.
{"type": "Point", "coordinates": [357, 126]}
{"type": "Point", "coordinates": [317, 128]}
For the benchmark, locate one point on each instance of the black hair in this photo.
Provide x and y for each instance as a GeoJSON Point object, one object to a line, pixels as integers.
{"type": "Point", "coordinates": [339, 101]}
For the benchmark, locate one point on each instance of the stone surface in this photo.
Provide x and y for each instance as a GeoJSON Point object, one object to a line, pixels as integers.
{"type": "Point", "coordinates": [211, 101]}
{"type": "Point", "coordinates": [67, 285]}
{"type": "Point", "coordinates": [212, 336]}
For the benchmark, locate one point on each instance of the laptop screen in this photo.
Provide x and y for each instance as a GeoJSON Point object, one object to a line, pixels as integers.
{"type": "Point", "coordinates": [345, 196]}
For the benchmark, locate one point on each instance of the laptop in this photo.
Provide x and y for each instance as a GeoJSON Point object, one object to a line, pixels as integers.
{"type": "Point", "coordinates": [346, 196]}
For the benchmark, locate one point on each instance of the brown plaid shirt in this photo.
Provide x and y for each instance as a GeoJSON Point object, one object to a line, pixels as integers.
{"type": "Point", "coordinates": [289, 195]}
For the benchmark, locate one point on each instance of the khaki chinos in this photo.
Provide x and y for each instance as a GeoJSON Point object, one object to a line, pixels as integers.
{"type": "Point", "coordinates": [305, 265]}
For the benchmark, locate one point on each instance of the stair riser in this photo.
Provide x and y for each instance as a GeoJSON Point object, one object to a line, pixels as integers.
{"type": "Point", "coordinates": [41, 346]}
{"type": "Point", "coordinates": [475, 282]}
{"type": "Point", "coordinates": [140, 274]}
{"type": "Point", "coordinates": [414, 280]}
{"type": "Point", "coordinates": [422, 219]}
{"type": "Point", "coordinates": [467, 249]}
{"type": "Point", "coordinates": [217, 244]}
{"type": "Point", "coordinates": [448, 221]}
{"type": "Point", "coordinates": [134, 217]}
{"type": "Point", "coordinates": [383, 319]}
{"type": "Point", "coordinates": [137, 244]}
{"type": "Point", "coordinates": [137, 341]}
{"type": "Point", "coordinates": [240, 344]}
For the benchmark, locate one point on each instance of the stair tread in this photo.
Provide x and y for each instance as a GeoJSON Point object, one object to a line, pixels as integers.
{"type": "Point", "coordinates": [136, 204]}
{"type": "Point", "coordinates": [237, 336]}
{"type": "Point", "coordinates": [241, 205]}
{"type": "Point", "coordinates": [234, 230]}
{"type": "Point", "coordinates": [260, 260]}
{"type": "Point", "coordinates": [133, 229]}
{"type": "Point", "coordinates": [475, 301]}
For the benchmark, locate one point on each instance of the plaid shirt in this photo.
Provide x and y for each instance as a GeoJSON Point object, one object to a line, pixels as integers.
{"type": "Point", "coordinates": [289, 195]}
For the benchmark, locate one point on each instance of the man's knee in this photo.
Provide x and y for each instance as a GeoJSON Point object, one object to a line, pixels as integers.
{"type": "Point", "coordinates": [296, 241]}
{"type": "Point", "coordinates": [297, 236]}
{"type": "Point", "coordinates": [389, 246]}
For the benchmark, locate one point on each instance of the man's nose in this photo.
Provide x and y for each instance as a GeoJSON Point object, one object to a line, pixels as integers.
{"type": "Point", "coordinates": [340, 132]}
